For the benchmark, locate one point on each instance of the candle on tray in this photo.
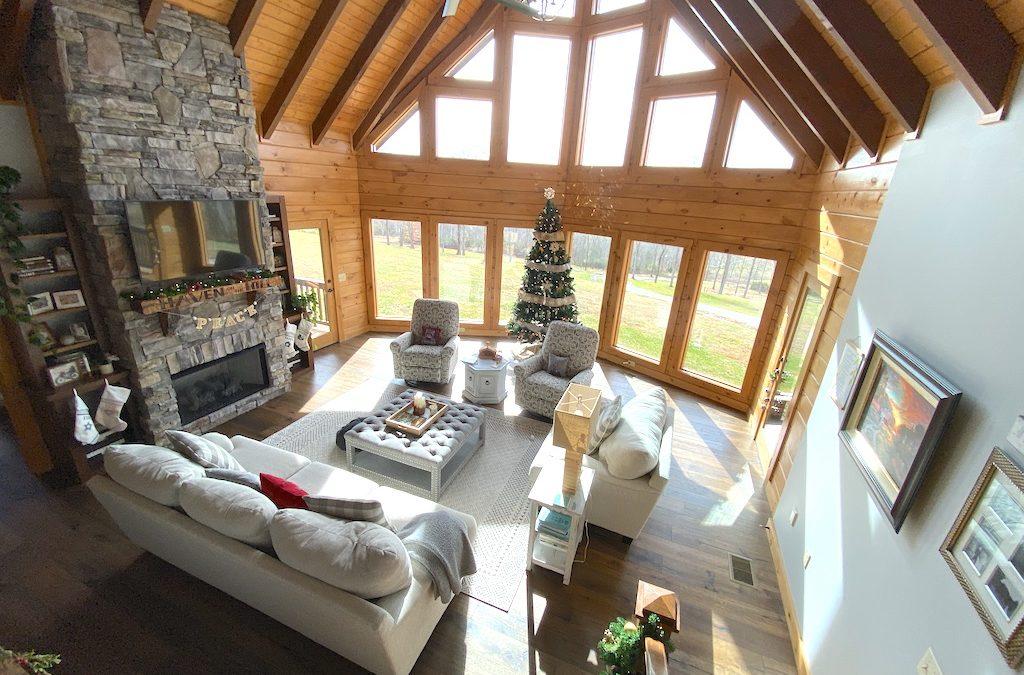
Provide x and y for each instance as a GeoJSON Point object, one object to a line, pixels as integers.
{"type": "Point", "coordinates": [419, 404]}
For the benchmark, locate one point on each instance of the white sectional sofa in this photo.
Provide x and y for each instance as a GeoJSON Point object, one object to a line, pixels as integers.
{"type": "Point", "coordinates": [385, 635]}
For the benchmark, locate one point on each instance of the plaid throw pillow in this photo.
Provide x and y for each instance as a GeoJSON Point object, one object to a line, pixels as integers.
{"type": "Point", "coordinates": [367, 510]}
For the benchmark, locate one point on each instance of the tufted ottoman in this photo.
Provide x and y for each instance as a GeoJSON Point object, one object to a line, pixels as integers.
{"type": "Point", "coordinates": [423, 465]}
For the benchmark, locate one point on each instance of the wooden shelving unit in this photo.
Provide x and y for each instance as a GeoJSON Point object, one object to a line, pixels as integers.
{"type": "Point", "coordinates": [51, 408]}
{"type": "Point", "coordinates": [282, 264]}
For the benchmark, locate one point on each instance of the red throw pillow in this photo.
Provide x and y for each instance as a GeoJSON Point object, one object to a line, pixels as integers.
{"type": "Point", "coordinates": [284, 493]}
{"type": "Point", "coordinates": [431, 336]}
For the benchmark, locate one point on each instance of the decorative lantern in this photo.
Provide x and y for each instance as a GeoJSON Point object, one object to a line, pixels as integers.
{"type": "Point", "coordinates": [651, 599]}
{"type": "Point", "coordinates": [575, 415]}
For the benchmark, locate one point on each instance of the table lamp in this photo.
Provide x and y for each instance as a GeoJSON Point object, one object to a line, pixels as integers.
{"type": "Point", "coordinates": [575, 415]}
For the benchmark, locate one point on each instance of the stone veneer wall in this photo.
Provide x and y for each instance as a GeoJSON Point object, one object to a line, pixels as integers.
{"type": "Point", "coordinates": [129, 115]}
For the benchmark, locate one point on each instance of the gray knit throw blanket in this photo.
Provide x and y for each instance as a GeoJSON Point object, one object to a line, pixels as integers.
{"type": "Point", "coordinates": [440, 542]}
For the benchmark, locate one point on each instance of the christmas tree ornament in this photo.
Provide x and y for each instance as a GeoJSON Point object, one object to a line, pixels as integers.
{"type": "Point", "coordinates": [112, 401]}
{"type": "Point", "coordinates": [85, 428]}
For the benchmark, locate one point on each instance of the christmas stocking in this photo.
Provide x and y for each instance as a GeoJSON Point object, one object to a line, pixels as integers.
{"type": "Point", "coordinates": [289, 340]}
{"type": "Point", "coordinates": [302, 332]}
{"type": "Point", "coordinates": [85, 429]}
{"type": "Point", "coordinates": [108, 413]}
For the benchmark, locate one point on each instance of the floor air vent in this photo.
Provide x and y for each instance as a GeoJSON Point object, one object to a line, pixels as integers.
{"type": "Point", "coordinates": [742, 569]}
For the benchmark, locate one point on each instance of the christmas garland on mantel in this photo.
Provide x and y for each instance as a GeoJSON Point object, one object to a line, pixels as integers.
{"type": "Point", "coordinates": [183, 287]}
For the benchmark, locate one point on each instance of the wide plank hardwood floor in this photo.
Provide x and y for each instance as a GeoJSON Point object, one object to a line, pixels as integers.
{"type": "Point", "coordinates": [71, 582]}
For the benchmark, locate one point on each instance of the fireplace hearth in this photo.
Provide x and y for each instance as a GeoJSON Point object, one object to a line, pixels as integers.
{"type": "Point", "coordinates": [209, 387]}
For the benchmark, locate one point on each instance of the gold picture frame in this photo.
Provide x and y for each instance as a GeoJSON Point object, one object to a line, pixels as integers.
{"type": "Point", "coordinates": [985, 551]}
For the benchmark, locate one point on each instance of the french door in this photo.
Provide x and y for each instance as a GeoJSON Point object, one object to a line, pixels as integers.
{"type": "Point", "coordinates": [314, 274]}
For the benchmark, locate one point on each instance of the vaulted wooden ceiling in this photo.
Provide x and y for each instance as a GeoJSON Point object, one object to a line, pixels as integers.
{"type": "Point", "coordinates": [830, 70]}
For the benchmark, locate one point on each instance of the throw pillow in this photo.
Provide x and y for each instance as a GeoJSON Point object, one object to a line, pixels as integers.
{"type": "Point", "coordinates": [284, 493]}
{"type": "Point", "coordinates": [633, 449]}
{"type": "Point", "coordinates": [151, 471]}
{"type": "Point", "coordinates": [608, 418]}
{"type": "Point", "coordinates": [245, 478]}
{"type": "Point", "coordinates": [558, 365]}
{"type": "Point", "coordinates": [203, 452]}
{"type": "Point", "coordinates": [367, 510]}
{"type": "Point", "coordinates": [431, 336]}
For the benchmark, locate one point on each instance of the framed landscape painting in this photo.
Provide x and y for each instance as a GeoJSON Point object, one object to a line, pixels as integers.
{"type": "Point", "coordinates": [985, 551]}
{"type": "Point", "coordinates": [898, 412]}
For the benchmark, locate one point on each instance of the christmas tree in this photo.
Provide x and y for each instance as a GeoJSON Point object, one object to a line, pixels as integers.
{"type": "Point", "coordinates": [547, 291]}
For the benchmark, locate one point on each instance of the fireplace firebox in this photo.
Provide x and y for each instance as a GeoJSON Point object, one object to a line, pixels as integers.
{"type": "Point", "coordinates": [208, 387]}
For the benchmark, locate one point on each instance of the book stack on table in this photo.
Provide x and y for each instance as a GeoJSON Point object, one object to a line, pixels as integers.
{"type": "Point", "coordinates": [34, 265]}
{"type": "Point", "coordinates": [553, 528]}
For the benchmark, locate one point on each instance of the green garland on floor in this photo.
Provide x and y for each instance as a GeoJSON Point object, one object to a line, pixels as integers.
{"type": "Point", "coordinates": [622, 647]}
{"type": "Point", "coordinates": [210, 281]}
{"type": "Point", "coordinates": [40, 664]}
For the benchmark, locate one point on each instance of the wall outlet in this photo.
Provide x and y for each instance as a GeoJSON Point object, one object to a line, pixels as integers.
{"type": "Point", "coordinates": [793, 515]}
{"type": "Point", "coordinates": [928, 665]}
{"type": "Point", "coordinates": [342, 277]}
{"type": "Point", "coordinates": [807, 560]}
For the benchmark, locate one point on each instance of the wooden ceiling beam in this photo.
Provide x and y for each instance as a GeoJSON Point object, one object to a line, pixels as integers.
{"type": "Point", "coordinates": [878, 56]}
{"type": "Point", "coordinates": [242, 21]}
{"type": "Point", "coordinates": [737, 52]}
{"type": "Point", "coordinates": [15, 20]}
{"type": "Point", "coordinates": [468, 32]}
{"type": "Point", "coordinates": [150, 11]}
{"type": "Point", "coordinates": [786, 72]}
{"type": "Point", "coordinates": [356, 67]}
{"type": "Point", "coordinates": [973, 42]}
{"type": "Point", "coordinates": [822, 65]}
{"type": "Point", "coordinates": [312, 42]}
{"type": "Point", "coordinates": [387, 94]}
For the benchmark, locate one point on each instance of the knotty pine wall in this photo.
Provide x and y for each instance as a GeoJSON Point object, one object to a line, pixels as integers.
{"type": "Point", "coordinates": [320, 185]}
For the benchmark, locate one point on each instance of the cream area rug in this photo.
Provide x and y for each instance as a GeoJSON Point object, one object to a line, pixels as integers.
{"type": "Point", "coordinates": [493, 487]}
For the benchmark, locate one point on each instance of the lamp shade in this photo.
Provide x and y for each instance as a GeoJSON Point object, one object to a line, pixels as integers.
{"type": "Point", "coordinates": [575, 415]}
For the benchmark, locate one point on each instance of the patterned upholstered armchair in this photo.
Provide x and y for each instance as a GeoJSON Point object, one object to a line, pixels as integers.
{"type": "Point", "coordinates": [538, 390]}
{"type": "Point", "coordinates": [417, 362]}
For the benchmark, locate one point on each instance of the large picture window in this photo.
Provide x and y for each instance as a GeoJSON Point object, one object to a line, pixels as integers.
{"type": "Point", "coordinates": [462, 259]}
{"type": "Point", "coordinates": [614, 60]}
{"type": "Point", "coordinates": [589, 268]}
{"type": "Point", "coordinates": [679, 131]}
{"type": "Point", "coordinates": [397, 266]}
{"type": "Point", "coordinates": [647, 299]}
{"type": "Point", "coordinates": [516, 245]}
{"type": "Point", "coordinates": [540, 68]}
{"type": "Point", "coordinates": [463, 128]}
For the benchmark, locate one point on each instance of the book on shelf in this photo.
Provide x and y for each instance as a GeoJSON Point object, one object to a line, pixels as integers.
{"type": "Point", "coordinates": [553, 542]}
{"type": "Point", "coordinates": [554, 523]}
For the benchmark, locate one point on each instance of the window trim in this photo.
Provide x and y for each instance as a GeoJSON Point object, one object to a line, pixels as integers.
{"type": "Point", "coordinates": [738, 92]}
{"type": "Point", "coordinates": [721, 68]}
{"type": "Point", "coordinates": [694, 89]}
{"type": "Point", "coordinates": [470, 95]}
{"type": "Point", "coordinates": [370, 264]}
{"type": "Point", "coordinates": [448, 73]}
{"type": "Point", "coordinates": [393, 128]}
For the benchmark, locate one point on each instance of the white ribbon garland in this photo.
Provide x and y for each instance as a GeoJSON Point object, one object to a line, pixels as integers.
{"type": "Point", "coordinates": [219, 322]}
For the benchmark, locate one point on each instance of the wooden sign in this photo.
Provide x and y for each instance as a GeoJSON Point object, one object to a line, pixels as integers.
{"type": "Point", "coordinates": [185, 300]}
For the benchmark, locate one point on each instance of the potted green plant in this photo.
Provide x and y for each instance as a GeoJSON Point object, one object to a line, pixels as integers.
{"type": "Point", "coordinates": [31, 662]}
{"type": "Point", "coordinates": [621, 648]}
{"type": "Point", "coordinates": [308, 303]}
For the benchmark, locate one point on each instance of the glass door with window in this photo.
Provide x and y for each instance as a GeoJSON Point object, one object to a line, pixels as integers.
{"type": "Point", "coordinates": [397, 266]}
{"type": "Point", "coordinates": [314, 275]}
{"type": "Point", "coordinates": [647, 298]}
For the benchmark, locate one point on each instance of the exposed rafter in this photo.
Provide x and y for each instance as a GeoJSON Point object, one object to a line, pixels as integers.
{"type": "Point", "coordinates": [973, 42]}
{"type": "Point", "coordinates": [357, 65]}
{"type": "Point", "coordinates": [15, 19]}
{"type": "Point", "coordinates": [786, 72]}
{"type": "Point", "coordinates": [826, 70]}
{"type": "Point", "coordinates": [880, 58]}
{"type": "Point", "coordinates": [242, 21]}
{"type": "Point", "coordinates": [150, 11]}
{"type": "Point", "coordinates": [312, 42]}
{"type": "Point", "coordinates": [754, 73]}
{"type": "Point", "coordinates": [468, 32]}
{"type": "Point", "coordinates": [387, 94]}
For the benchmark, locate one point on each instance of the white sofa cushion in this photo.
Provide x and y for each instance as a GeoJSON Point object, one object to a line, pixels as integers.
{"type": "Point", "coordinates": [234, 510]}
{"type": "Point", "coordinates": [151, 471]}
{"type": "Point", "coordinates": [206, 453]}
{"type": "Point", "coordinates": [633, 448]}
{"type": "Point", "coordinates": [362, 558]}
{"type": "Point", "coordinates": [260, 458]}
{"type": "Point", "coordinates": [329, 481]}
{"type": "Point", "coordinates": [220, 439]}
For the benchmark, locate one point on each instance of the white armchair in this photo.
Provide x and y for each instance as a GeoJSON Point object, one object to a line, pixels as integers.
{"type": "Point", "coordinates": [416, 362]}
{"type": "Point", "coordinates": [538, 390]}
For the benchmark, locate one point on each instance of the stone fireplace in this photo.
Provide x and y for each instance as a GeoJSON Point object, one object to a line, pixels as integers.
{"type": "Point", "coordinates": [203, 391]}
{"type": "Point", "coordinates": [124, 115]}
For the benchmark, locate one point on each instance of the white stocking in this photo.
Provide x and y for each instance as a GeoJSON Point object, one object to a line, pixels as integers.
{"type": "Point", "coordinates": [302, 334]}
{"type": "Point", "coordinates": [289, 340]}
{"type": "Point", "coordinates": [85, 429]}
{"type": "Point", "coordinates": [108, 413]}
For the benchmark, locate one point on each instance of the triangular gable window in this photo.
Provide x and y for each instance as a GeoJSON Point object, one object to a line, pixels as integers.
{"type": "Point", "coordinates": [403, 138]}
{"type": "Point", "coordinates": [478, 64]}
{"type": "Point", "coordinates": [753, 145]}
{"type": "Point", "coordinates": [680, 54]}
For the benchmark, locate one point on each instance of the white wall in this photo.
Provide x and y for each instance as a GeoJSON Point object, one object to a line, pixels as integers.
{"type": "Point", "coordinates": [944, 276]}
{"type": "Point", "coordinates": [18, 150]}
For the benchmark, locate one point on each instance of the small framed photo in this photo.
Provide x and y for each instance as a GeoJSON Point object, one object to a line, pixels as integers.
{"type": "Point", "coordinates": [62, 259]}
{"type": "Point", "coordinates": [39, 303]}
{"type": "Point", "coordinates": [850, 360]}
{"type": "Point", "coordinates": [81, 361]}
{"type": "Point", "coordinates": [68, 299]}
{"type": "Point", "coordinates": [898, 412]}
{"type": "Point", "coordinates": [985, 551]}
{"type": "Point", "coordinates": [64, 373]}
{"type": "Point", "coordinates": [79, 331]}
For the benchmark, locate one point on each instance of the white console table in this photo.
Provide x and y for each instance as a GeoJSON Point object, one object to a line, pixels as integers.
{"type": "Point", "coordinates": [485, 380]}
{"type": "Point", "coordinates": [547, 493]}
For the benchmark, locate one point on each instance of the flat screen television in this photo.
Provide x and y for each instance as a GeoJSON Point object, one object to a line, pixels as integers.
{"type": "Point", "coordinates": [178, 239]}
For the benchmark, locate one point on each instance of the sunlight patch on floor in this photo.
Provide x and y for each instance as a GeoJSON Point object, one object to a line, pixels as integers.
{"type": "Point", "coordinates": [725, 512]}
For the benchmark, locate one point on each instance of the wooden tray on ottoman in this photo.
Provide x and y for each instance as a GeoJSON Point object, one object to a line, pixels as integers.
{"type": "Point", "coordinates": [403, 419]}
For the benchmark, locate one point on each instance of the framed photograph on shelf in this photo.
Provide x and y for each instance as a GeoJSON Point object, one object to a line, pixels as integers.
{"type": "Point", "coordinates": [39, 303]}
{"type": "Point", "coordinates": [68, 299]}
{"type": "Point", "coordinates": [850, 360]}
{"type": "Point", "coordinates": [897, 413]}
{"type": "Point", "coordinates": [81, 361]}
{"type": "Point", "coordinates": [64, 373]}
{"type": "Point", "coordinates": [985, 551]}
{"type": "Point", "coordinates": [41, 335]}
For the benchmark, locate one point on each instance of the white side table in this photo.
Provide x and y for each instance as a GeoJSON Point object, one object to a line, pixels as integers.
{"type": "Point", "coordinates": [547, 492]}
{"type": "Point", "coordinates": [485, 380]}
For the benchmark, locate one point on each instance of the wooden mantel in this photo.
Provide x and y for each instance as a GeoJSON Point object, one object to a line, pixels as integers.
{"type": "Point", "coordinates": [163, 305]}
